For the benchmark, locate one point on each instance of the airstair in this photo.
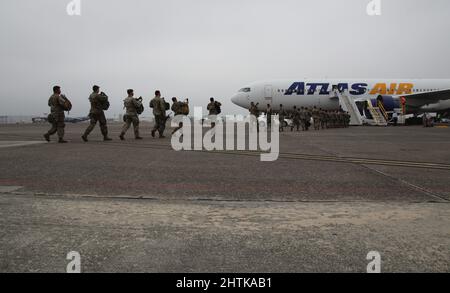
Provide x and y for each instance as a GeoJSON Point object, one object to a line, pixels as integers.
{"type": "Point", "coordinates": [348, 105]}
{"type": "Point", "coordinates": [378, 114]}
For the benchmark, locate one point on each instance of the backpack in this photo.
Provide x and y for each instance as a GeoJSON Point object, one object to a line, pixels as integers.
{"type": "Point", "coordinates": [185, 109]}
{"type": "Point", "coordinates": [67, 106]}
{"type": "Point", "coordinates": [105, 105]}
{"type": "Point", "coordinates": [218, 109]}
{"type": "Point", "coordinates": [140, 109]}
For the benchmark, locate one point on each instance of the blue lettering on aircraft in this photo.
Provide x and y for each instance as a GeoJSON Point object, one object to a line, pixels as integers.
{"type": "Point", "coordinates": [296, 87]}
{"type": "Point", "coordinates": [359, 89]}
{"type": "Point", "coordinates": [299, 88]}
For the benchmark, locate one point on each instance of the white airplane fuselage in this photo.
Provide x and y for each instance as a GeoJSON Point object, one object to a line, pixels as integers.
{"type": "Point", "coordinates": [319, 92]}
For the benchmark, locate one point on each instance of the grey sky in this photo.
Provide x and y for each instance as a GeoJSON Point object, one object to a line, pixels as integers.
{"type": "Point", "coordinates": [203, 48]}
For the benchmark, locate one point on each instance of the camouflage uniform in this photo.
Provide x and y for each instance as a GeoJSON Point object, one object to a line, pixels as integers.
{"type": "Point", "coordinates": [131, 104]}
{"type": "Point", "coordinates": [316, 117]}
{"type": "Point", "coordinates": [307, 118]}
{"type": "Point", "coordinates": [254, 112]}
{"type": "Point", "coordinates": [97, 114]}
{"type": "Point", "coordinates": [177, 109]}
{"type": "Point", "coordinates": [212, 108]}
{"type": "Point", "coordinates": [296, 119]}
{"type": "Point", "coordinates": [57, 117]}
{"type": "Point", "coordinates": [159, 111]}
{"type": "Point", "coordinates": [281, 117]}
{"type": "Point", "coordinates": [323, 118]}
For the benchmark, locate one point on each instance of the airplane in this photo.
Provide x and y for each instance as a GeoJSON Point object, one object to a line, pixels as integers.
{"type": "Point", "coordinates": [67, 119]}
{"type": "Point", "coordinates": [76, 120]}
{"type": "Point", "coordinates": [414, 95]}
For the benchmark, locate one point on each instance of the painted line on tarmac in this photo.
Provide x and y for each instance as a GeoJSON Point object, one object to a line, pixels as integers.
{"type": "Point", "coordinates": [308, 157]}
{"type": "Point", "coordinates": [11, 144]}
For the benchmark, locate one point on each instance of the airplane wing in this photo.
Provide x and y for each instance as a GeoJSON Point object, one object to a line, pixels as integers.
{"type": "Point", "coordinates": [418, 100]}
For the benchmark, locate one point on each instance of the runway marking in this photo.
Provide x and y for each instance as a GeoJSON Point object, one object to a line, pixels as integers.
{"type": "Point", "coordinates": [10, 144]}
{"type": "Point", "coordinates": [9, 189]}
{"type": "Point", "coordinates": [348, 160]}
{"type": "Point", "coordinates": [309, 157]}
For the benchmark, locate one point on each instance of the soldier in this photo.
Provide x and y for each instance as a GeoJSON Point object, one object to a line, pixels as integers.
{"type": "Point", "coordinates": [342, 119]}
{"type": "Point", "coordinates": [269, 116]}
{"type": "Point", "coordinates": [302, 118]}
{"type": "Point", "coordinates": [214, 109]}
{"type": "Point", "coordinates": [98, 101]}
{"type": "Point", "coordinates": [281, 117]}
{"type": "Point", "coordinates": [336, 119]}
{"type": "Point", "coordinates": [308, 117]}
{"type": "Point", "coordinates": [323, 117]}
{"type": "Point", "coordinates": [255, 112]}
{"type": "Point", "coordinates": [347, 119]}
{"type": "Point", "coordinates": [177, 108]}
{"type": "Point", "coordinates": [329, 119]}
{"type": "Point", "coordinates": [57, 106]}
{"type": "Point", "coordinates": [296, 117]}
{"type": "Point", "coordinates": [159, 111]}
{"type": "Point", "coordinates": [254, 109]}
{"type": "Point", "coordinates": [133, 108]}
{"type": "Point", "coordinates": [316, 117]}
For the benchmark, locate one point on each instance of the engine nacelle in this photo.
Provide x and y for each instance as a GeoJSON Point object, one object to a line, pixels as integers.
{"type": "Point", "coordinates": [389, 102]}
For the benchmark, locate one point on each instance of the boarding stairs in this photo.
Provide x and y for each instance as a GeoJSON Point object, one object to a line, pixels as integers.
{"type": "Point", "coordinates": [379, 114]}
{"type": "Point", "coordinates": [349, 105]}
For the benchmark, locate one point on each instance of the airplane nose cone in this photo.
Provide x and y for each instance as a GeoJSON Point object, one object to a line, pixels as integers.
{"type": "Point", "coordinates": [234, 99]}
{"type": "Point", "coordinates": [239, 100]}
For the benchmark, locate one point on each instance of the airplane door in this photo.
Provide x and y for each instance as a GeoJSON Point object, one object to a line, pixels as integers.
{"type": "Point", "coordinates": [268, 94]}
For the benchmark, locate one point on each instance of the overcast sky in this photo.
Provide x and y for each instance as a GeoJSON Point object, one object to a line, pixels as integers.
{"type": "Point", "coordinates": [201, 48]}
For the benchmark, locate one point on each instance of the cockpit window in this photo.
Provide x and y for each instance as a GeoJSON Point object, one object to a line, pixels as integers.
{"type": "Point", "coordinates": [245, 90]}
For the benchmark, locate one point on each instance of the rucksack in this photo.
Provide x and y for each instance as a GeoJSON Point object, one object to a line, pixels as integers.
{"type": "Point", "coordinates": [185, 109]}
{"type": "Point", "coordinates": [67, 105]}
{"type": "Point", "coordinates": [105, 105]}
{"type": "Point", "coordinates": [218, 109]}
{"type": "Point", "coordinates": [140, 109]}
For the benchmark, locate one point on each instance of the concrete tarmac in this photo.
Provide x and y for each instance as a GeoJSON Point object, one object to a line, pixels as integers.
{"type": "Point", "coordinates": [139, 206]}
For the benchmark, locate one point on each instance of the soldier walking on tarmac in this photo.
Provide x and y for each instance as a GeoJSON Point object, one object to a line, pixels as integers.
{"type": "Point", "coordinates": [99, 103]}
{"type": "Point", "coordinates": [281, 117]}
{"type": "Point", "coordinates": [58, 104]}
{"type": "Point", "coordinates": [133, 108]}
{"type": "Point", "coordinates": [159, 111]}
{"type": "Point", "coordinates": [213, 109]}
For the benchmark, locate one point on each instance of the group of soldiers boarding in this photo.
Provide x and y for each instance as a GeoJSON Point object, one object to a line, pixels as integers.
{"type": "Point", "coordinates": [304, 117]}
